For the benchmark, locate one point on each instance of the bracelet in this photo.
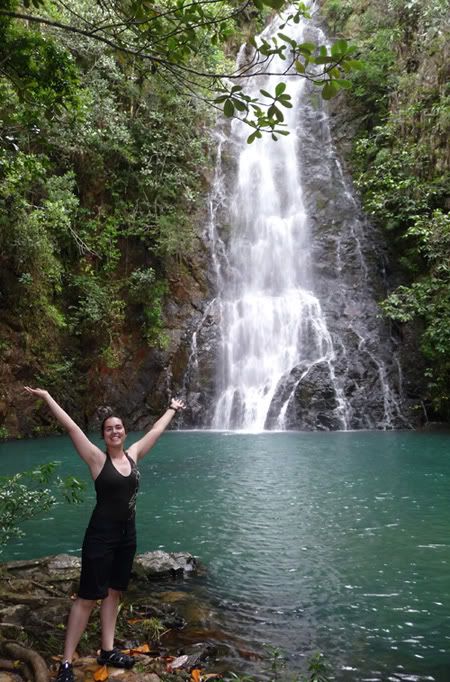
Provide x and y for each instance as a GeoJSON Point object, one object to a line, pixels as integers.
{"type": "Point", "coordinates": [175, 409]}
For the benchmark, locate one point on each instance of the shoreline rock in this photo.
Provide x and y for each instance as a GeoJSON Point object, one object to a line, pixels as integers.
{"type": "Point", "coordinates": [66, 567]}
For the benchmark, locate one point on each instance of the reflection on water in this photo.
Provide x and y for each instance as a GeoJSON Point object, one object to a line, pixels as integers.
{"type": "Point", "coordinates": [337, 542]}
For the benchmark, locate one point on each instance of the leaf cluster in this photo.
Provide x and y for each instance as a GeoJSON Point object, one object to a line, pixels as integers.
{"type": "Point", "coordinates": [29, 494]}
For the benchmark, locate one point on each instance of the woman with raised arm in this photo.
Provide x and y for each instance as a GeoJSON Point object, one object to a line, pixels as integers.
{"type": "Point", "coordinates": [109, 543]}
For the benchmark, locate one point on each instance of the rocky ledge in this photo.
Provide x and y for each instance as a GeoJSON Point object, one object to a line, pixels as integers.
{"type": "Point", "coordinates": [161, 621]}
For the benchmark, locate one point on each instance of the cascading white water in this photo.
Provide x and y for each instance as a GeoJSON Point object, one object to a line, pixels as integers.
{"type": "Point", "coordinates": [270, 319]}
{"type": "Point", "coordinates": [292, 337]}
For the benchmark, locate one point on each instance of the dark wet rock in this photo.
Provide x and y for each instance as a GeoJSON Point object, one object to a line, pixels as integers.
{"type": "Point", "coordinates": [53, 575]}
{"type": "Point", "coordinates": [314, 405]}
{"type": "Point", "coordinates": [13, 614]}
{"type": "Point", "coordinates": [198, 653]}
{"type": "Point", "coordinates": [200, 383]}
{"type": "Point", "coordinates": [167, 613]}
{"type": "Point", "coordinates": [439, 427]}
{"type": "Point", "coordinates": [54, 566]}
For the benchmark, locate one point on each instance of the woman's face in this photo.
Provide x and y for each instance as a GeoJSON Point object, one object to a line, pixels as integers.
{"type": "Point", "coordinates": [114, 431]}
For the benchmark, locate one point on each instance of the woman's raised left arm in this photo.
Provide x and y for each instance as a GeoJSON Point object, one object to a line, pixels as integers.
{"type": "Point", "coordinates": [144, 444]}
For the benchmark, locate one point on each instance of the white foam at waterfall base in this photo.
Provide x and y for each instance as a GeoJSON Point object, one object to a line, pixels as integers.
{"type": "Point", "coordinates": [268, 335]}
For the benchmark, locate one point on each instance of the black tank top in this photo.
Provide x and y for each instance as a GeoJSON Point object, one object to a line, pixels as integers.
{"type": "Point", "coordinates": [116, 493]}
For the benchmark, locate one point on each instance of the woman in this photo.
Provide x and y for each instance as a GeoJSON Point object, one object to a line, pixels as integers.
{"type": "Point", "coordinates": [110, 541]}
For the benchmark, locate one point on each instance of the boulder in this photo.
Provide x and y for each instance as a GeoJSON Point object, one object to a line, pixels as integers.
{"type": "Point", "coordinates": [314, 405]}
{"type": "Point", "coordinates": [159, 564]}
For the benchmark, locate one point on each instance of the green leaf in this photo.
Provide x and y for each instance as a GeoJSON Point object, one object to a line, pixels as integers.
{"type": "Point", "coordinates": [324, 60]}
{"type": "Point", "coordinates": [306, 47]}
{"type": "Point", "coordinates": [274, 112]}
{"type": "Point", "coordinates": [287, 39]}
{"type": "Point", "coordinates": [240, 106]}
{"type": "Point", "coordinates": [339, 48]}
{"type": "Point", "coordinates": [280, 88]}
{"type": "Point", "coordinates": [343, 83]}
{"type": "Point", "coordinates": [355, 64]}
{"type": "Point", "coordinates": [266, 94]}
{"type": "Point", "coordinates": [330, 89]}
{"type": "Point", "coordinates": [228, 108]}
{"type": "Point", "coordinates": [299, 67]}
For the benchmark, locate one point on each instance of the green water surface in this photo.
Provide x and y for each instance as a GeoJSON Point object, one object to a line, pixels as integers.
{"type": "Point", "coordinates": [336, 542]}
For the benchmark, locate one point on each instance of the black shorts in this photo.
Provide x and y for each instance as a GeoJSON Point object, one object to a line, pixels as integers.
{"type": "Point", "coordinates": [107, 557]}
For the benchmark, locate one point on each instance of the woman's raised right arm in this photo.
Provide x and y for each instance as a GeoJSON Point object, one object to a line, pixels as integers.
{"type": "Point", "coordinates": [87, 450]}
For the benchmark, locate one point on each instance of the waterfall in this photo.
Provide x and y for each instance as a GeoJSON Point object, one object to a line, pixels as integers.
{"type": "Point", "coordinates": [300, 343]}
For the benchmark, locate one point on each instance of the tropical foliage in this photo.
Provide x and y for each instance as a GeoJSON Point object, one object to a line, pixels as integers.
{"type": "Point", "coordinates": [180, 41]}
{"type": "Point", "coordinates": [99, 168]}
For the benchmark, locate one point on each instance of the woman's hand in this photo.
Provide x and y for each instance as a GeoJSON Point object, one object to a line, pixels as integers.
{"type": "Point", "coordinates": [39, 392]}
{"type": "Point", "coordinates": [177, 405]}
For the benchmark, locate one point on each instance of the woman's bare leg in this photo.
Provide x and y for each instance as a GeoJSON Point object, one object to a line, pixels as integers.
{"type": "Point", "coordinates": [76, 625]}
{"type": "Point", "coordinates": [108, 617]}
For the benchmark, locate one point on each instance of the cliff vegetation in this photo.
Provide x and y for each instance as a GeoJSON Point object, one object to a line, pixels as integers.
{"type": "Point", "coordinates": [400, 159]}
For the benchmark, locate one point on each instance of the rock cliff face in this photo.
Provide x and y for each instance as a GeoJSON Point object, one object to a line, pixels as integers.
{"type": "Point", "coordinates": [350, 263]}
{"type": "Point", "coordinates": [141, 388]}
